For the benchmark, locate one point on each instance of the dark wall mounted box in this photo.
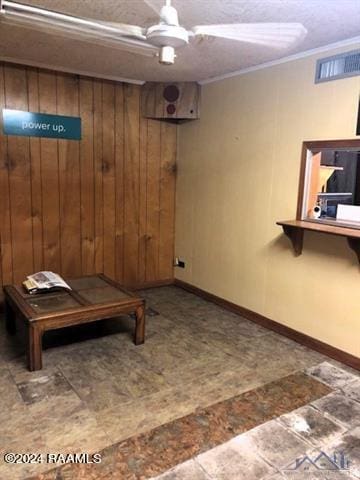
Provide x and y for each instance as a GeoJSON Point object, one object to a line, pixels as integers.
{"type": "Point", "coordinates": [171, 101]}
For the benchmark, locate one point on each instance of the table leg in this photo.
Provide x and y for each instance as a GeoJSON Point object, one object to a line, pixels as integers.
{"type": "Point", "coordinates": [34, 348]}
{"type": "Point", "coordinates": [10, 319]}
{"type": "Point", "coordinates": [140, 325]}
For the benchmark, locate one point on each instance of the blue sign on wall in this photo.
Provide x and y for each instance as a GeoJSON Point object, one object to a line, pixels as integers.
{"type": "Point", "coordinates": [17, 122]}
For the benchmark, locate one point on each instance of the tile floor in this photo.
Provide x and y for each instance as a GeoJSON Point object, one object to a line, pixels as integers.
{"type": "Point", "coordinates": [155, 451]}
{"type": "Point", "coordinates": [326, 427]}
{"type": "Point", "coordinates": [102, 390]}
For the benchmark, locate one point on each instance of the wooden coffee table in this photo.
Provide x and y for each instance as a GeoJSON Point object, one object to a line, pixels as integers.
{"type": "Point", "coordinates": [92, 298]}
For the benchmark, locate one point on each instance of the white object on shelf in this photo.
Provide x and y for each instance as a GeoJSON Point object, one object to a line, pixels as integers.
{"type": "Point", "coordinates": [316, 212]}
{"type": "Point", "coordinates": [348, 212]}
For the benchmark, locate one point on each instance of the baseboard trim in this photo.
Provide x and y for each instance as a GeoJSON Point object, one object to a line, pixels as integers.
{"type": "Point", "coordinates": [298, 337]}
{"type": "Point", "coordinates": [154, 284]}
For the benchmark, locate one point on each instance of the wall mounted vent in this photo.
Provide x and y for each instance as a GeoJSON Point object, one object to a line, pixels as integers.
{"type": "Point", "coordinates": [339, 66]}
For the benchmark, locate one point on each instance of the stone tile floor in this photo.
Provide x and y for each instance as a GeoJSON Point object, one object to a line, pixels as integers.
{"type": "Point", "coordinates": [97, 388]}
{"type": "Point", "coordinates": [327, 426]}
{"type": "Point", "coordinates": [155, 451]}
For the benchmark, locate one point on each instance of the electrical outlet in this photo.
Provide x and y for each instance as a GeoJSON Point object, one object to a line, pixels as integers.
{"type": "Point", "coordinates": [179, 263]}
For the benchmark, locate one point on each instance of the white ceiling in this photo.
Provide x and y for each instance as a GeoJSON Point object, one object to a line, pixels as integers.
{"type": "Point", "coordinates": [327, 21]}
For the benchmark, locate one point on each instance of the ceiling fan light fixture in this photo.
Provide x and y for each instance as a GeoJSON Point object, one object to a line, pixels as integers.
{"type": "Point", "coordinates": [167, 55]}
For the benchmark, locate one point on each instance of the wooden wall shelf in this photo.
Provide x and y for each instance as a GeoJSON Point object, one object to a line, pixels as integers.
{"type": "Point", "coordinates": [294, 229]}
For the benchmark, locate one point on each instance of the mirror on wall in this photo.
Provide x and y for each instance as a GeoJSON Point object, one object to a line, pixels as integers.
{"type": "Point", "coordinates": [332, 187]}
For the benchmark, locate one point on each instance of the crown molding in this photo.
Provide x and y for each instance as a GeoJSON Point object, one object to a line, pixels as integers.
{"type": "Point", "coordinates": [290, 58]}
{"type": "Point", "coordinates": [69, 70]}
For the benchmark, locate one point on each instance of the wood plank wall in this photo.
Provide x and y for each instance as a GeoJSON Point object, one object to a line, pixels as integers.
{"type": "Point", "coordinates": [104, 204]}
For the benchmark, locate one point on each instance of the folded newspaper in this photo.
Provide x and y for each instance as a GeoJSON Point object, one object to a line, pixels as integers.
{"type": "Point", "coordinates": [42, 282]}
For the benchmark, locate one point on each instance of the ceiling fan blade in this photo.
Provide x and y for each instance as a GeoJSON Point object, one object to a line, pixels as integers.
{"type": "Point", "coordinates": [131, 31]}
{"type": "Point", "coordinates": [126, 37]}
{"type": "Point", "coordinates": [276, 35]}
{"type": "Point", "coordinates": [20, 12]}
{"type": "Point", "coordinates": [121, 43]}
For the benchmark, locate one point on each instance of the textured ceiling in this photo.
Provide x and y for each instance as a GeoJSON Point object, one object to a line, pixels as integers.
{"type": "Point", "coordinates": [327, 21]}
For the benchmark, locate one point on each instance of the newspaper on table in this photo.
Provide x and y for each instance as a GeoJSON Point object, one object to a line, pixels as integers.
{"type": "Point", "coordinates": [44, 282]}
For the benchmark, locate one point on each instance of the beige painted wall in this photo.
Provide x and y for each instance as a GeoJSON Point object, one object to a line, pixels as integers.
{"type": "Point", "coordinates": [238, 174]}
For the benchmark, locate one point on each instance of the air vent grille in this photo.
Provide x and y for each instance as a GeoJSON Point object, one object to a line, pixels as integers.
{"type": "Point", "coordinates": [340, 66]}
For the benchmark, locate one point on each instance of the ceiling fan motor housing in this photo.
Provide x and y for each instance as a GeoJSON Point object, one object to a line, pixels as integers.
{"type": "Point", "coordinates": [167, 37]}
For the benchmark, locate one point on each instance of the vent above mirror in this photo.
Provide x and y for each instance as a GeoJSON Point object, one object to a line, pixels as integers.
{"type": "Point", "coordinates": [338, 66]}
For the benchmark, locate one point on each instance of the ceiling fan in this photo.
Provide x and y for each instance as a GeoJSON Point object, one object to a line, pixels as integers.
{"type": "Point", "coordinates": [159, 40]}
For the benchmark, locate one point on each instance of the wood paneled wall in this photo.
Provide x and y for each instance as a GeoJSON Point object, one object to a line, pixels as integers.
{"type": "Point", "coordinates": [102, 204]}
